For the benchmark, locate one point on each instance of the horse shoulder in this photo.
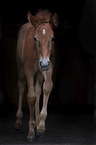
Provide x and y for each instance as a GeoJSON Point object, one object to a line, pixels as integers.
{"type": "Point", "coordinates": [25, 44]}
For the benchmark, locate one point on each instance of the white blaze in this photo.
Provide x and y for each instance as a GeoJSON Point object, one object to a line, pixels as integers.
{"type": "Point", "coordinates": [44, 31]}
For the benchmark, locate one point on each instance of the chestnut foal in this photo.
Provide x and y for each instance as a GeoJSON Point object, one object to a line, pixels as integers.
{"type": "Point", "coordinates": [35, 55]}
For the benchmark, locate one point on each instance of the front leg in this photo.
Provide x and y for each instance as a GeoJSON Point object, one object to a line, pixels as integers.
{"type": "Point", "coordinates": [38, 89]}
{"type": "Point", "coordinates": [47, 87]}
{"type": "Point", "coordinates": [31, 102]}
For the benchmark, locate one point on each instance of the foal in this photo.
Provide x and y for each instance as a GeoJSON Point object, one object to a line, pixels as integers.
{"type": "Point", "coordinates": [35, 55]}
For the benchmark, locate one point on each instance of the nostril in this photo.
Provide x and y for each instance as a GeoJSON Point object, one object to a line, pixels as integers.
{"type": "Point", "coordinates": [48, 63]}
{"type": "Point", "coordinates": [40, 63]}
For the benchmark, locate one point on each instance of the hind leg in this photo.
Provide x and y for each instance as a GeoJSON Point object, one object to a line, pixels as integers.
{"type": "Point", "coordinates": [21, 86]}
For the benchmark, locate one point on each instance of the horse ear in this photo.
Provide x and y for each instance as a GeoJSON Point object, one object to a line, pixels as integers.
{"type": "Point", "coordinates": [54, 20]}
{"type": "Point", "coordinates": [32, 19]}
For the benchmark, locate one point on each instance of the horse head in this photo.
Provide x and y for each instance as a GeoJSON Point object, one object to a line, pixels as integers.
{"type": "Point", "coordinates": [44, 38]}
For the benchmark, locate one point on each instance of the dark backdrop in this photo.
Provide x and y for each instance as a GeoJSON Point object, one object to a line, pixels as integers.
{"type": "Point", "coordinates": [72, 68]}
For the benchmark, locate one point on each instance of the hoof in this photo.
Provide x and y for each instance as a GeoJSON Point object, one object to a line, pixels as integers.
{"type": "Point", "coordinates": [31, 136]}
{"type": "Point", "coordinates": [30, 139]}
{"type": "Point", "coordinates": [39, 134]}
{"type": "Point", "coordinates": [18, 126]}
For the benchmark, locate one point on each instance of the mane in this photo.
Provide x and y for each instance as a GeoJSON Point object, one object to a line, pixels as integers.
{"type": "Point", "coordinates": [43, 15]}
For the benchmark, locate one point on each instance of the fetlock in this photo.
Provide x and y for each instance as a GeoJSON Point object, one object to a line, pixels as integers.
{"type": "Point", "coordinates": [19, 114]}
{"type": "Point", "coordinates": [41, 125]}
{"type": "Point", "coordinates": [31, 133]}
{"type": "Point", "coordinates": [18, 123]}
{"type": "Point", "coordinates": [43, 116]}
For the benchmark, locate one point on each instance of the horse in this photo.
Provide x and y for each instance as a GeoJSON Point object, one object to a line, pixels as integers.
{"type": "Point", "coordinates": [35, 59]}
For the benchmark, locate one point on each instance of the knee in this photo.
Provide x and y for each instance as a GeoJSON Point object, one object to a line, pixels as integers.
{"type": "Point", "coordinates": [31, 98]}
{"type": "Point", "coordinates": [47, 87]}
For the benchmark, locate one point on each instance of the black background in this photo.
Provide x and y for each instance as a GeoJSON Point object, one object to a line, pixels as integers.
{"type": "Point", "coordinates": [72, 66]}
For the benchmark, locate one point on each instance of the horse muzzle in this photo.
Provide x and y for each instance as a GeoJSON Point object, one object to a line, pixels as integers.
{"type": "Point", "coordinates": [44, 63]}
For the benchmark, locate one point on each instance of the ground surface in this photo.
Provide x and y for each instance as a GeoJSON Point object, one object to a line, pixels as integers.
{"type": "Point", "coordinates": [62, 127]}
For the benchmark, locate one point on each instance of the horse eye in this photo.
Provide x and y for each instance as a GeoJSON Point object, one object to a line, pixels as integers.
{"type": "Point", "coordinates": [35, 38]}
{"type": "Point", "coordinates": [52, 39]}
